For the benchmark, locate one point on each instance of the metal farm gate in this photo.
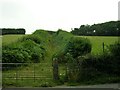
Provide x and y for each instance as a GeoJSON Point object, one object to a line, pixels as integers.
{"type": "Point", "coordinates": [26, 73]}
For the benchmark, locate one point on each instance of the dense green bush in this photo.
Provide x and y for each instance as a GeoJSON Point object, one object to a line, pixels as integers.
{"type": "Point", "coordinates": [78, 46]}
{"type": "Point", "coordinates": [83, 67]}
{"type": "Point", "coordinates": [101, 66]}
{"type": "Point", "coordinates": [75, 48]}
{"type": "Point", "coordinates": [34, 38]}
{"type": "Point", "coordinates": [61, 39]}
{"type": "Point", "coordinates": [115, 54]}
{"type": "Point", "coordinates": [115, 49]}
{"type": "Point", "coordinates": [28, 49]}
{"type": "Point", "coordinates": [33, 44]}
{"type": "Point", "coordinates": [15, 56]}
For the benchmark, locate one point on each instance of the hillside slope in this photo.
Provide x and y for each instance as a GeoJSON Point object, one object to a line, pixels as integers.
{"type": "Point", "coordinates": [52, 43]}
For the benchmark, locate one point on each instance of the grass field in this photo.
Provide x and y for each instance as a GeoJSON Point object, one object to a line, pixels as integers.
{"type": "Point", "coordinates": [44, 68]}
{"type": "Point", "coordinates": [96, 41]}
{"type": "Point", "coordinates": [7, 39]}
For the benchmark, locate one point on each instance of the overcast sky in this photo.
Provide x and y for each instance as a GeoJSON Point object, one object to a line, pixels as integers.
{"type": "Point", "coordinates": [54, 14]}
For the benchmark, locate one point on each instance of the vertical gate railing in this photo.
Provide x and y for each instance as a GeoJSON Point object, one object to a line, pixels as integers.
{"type": "Point", "coordinates": [26, 72]}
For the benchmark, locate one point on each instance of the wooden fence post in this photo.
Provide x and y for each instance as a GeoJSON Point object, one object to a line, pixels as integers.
{"type": "Point", "coordinates": [55, 69]}
{"type": "Point", "coordinates": [16, 73]}
{"type": "Point", "coordinates": [66, 71]}
{"type": "Point", "coordinates": [103, 47]}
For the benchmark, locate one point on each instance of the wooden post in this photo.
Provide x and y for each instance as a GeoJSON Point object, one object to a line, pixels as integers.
{"type": "Point", "coordinates": [16, 74]}
{"type": "Point", "coordinates": [34, 71]}
{"type": "Point", "coordinates": [103, 47]}
{"type": "Point", "coordinates": [55, 69]}
{"type": "Point", "coordinates": [66, 71]}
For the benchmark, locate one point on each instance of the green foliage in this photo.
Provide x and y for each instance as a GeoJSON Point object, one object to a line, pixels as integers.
{"type": "Point", "coordinates": [34, 50]}
{"type": "Point", "coordinates": [15, 56]}
{"type": "Point", "coordinates": [89, 68]}
{"type": "Point", "coordinates": [111, 28]}
{"type": "Point", "coordinates": [43, 34]}
{"type": "Point", "coordinates": [12, 31]}
{"type": "Point", "coordinates": [40, 32]}
{"type": "Point", "coordinates": [101, 66]}
{"type": "Point", "coordinates": [61, 38]}
{"type": "Point", "coordinates": [115, 49]}
{"type": "Point", "coordinates": [115, 55]}
{"type": "Point", "coordinates": [73, 70]}
{"type": "Point", "coordinates": [34, 38]}
{"type": "Point", "coordinates": [27, 49]}
{"type": "Point", "coordinates": [78, 47]}
{"type": "Point", "coordinates": [75, 48]}
{"type": "Point", "coordinates": [47, 45]}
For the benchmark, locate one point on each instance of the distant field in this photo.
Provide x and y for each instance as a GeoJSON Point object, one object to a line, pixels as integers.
{"type": "Point", "coordinates": [97, 42]}
{"type": "Point", "coordinates": [7, 39]}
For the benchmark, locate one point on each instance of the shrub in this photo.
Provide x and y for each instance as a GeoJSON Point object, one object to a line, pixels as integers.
{"type": "Point", "coordinates": [115, 49]}
{"type": "Point", "coordinates": [102, 66]}
{"type": "Point", "coordinates": [34, 38]}
{"type": "Point", "coordinates": [35, 50]}
{"type": "Point", "coordinates": [14, 56]}
{"type": "Point", "coordinates": [23, 52]}
{"type": "Point", "coordinates": [115, 55]}
{"type": "Point", "coordinates": [78, 46]}
{"type": "Point", "coordinates": [73, 70]}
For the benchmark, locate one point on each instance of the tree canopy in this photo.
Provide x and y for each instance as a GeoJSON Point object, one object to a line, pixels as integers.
{"type": "Point", "coordinates": [111, 28]}
{"type": "Point", "coordinates": [5, 31]}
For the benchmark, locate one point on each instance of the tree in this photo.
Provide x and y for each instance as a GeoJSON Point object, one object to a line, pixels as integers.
{"type": "Point", "coordinates": [5, 31]}
{"type": "Point", "coordinates": [102, 29]}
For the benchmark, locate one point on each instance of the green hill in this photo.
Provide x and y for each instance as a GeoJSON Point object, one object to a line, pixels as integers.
{"type": "Point", "coordinates": [50, 44]}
